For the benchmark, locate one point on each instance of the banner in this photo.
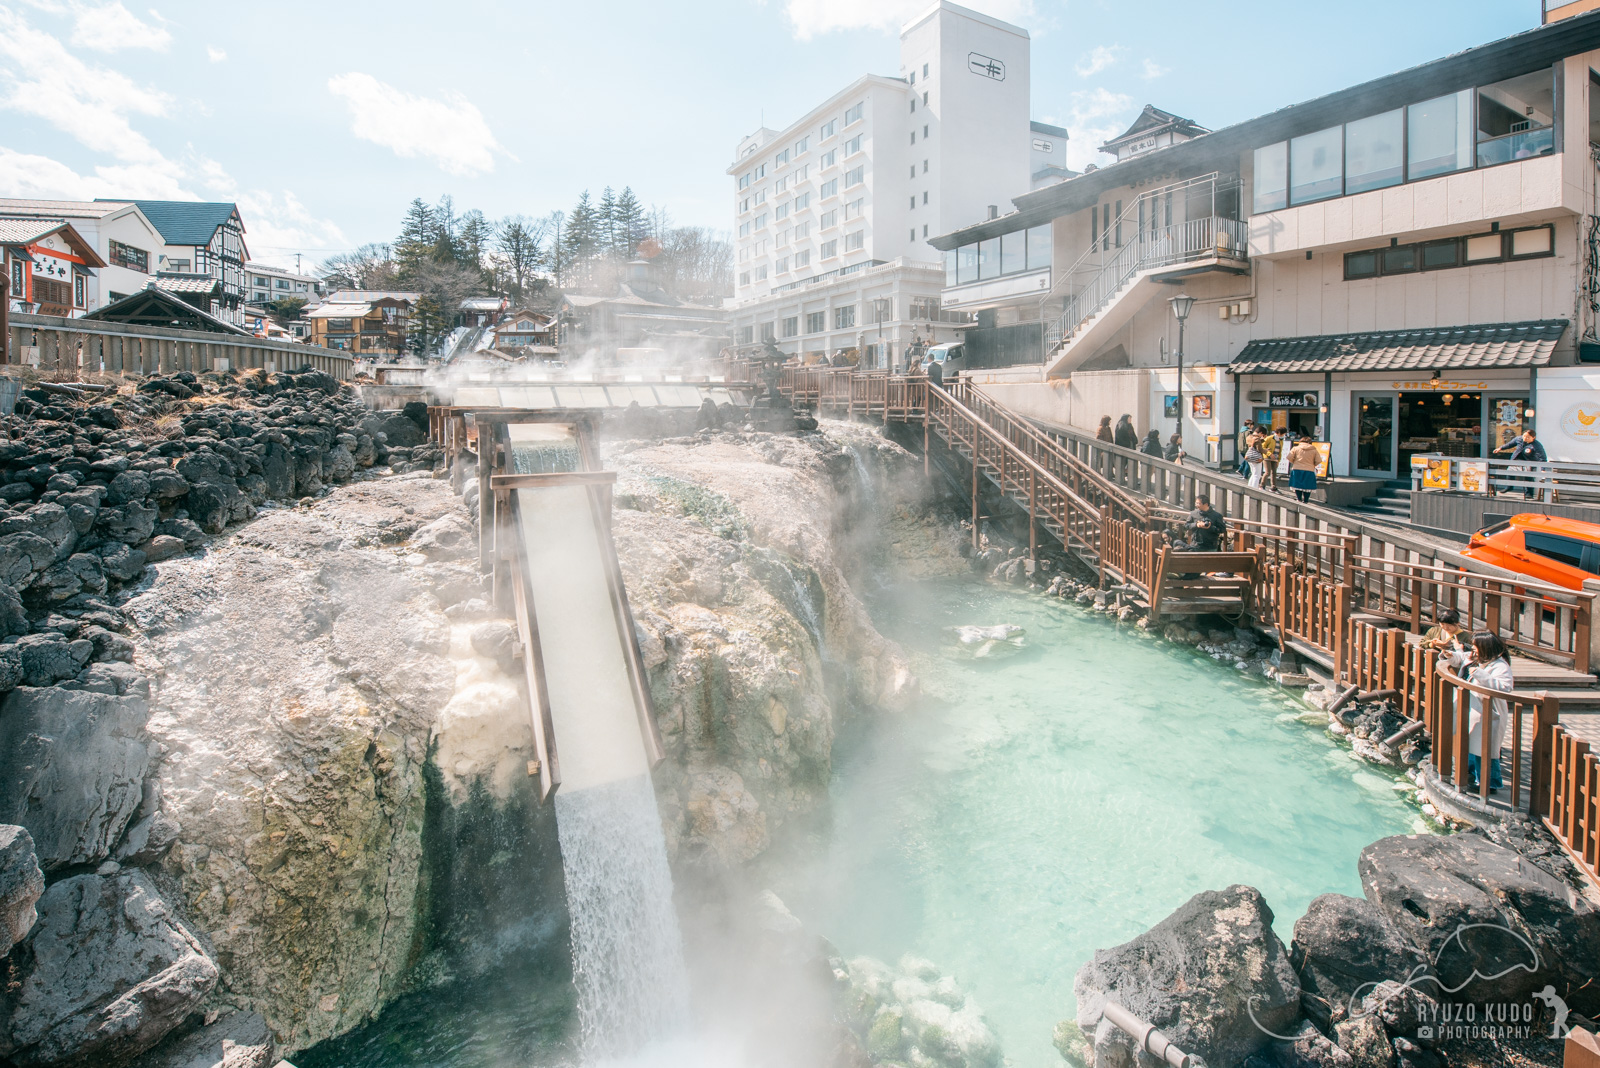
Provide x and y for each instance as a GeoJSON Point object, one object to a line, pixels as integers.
{"type": "Point", "coordinates": [1436, 475]}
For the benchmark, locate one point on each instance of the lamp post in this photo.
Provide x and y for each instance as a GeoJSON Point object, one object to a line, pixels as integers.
{"type": "Point", "coordinates": [1180, 308]}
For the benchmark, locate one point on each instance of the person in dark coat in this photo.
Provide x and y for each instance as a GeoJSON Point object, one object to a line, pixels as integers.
{"type": "Point", "coordinates": [1152, 445]}
{"type": "Point", "coordinates": [1206, 526]}
{"type": "Point", "coordinates": [1125, 435]}
{"type": "Point", "coordinates": [1175, 453]}
{"type": "Point", "coordinates": [936, 373]}
{"type": "Point", "coordinates": [1531, 450]}
{"type": "Point", "coordinates": [1103, 432]}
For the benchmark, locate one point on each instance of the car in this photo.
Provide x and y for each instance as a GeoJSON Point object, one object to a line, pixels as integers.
{"type": "Point", "coordinates": [953, 356]}
{"type": "Point", "coordinates": [1553, 549]}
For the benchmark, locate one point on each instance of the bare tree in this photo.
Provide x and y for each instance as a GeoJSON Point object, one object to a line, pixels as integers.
{"type": "Point", "coordinates": [519, 251]}
{"type": "Point", "coordinates": [368, 267]}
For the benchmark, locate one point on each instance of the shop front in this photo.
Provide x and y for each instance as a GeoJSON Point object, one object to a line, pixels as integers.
{"type": "Point", "coordinates": [1466, 418]}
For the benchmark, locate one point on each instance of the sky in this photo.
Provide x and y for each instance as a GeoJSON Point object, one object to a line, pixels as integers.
{"type": "Point", "coordinates": [324, 120]}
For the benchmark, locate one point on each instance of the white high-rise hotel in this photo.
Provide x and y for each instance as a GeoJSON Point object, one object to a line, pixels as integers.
{"type": "Point", "coordinates": [832, 213]}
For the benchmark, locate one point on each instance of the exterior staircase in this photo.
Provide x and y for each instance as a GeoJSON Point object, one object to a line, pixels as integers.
{"type": "Point", "coordinates": [1392, 502]}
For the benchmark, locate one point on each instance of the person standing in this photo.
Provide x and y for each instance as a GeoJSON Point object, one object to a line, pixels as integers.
{"type": "Point", "coordinates": [1274, 450]}
{"type": "Point", "coordinates": [1104, 432]}
{"type": "Point", "coordinates": [1125, 436]}
{"type": "Point", "coordinates": [1530, 449]}
{"type": "Point", "coordinates": [1303, 460]}
{"type": "Point", "coordinates": [1175, 453]}
{"type": "Point", "coordinates": [936, 373]}
{"type": "Point", "coordinates": [1491, 668]}
{"type": "Point", "coordinates": [1152, 445]}
{"type": "Point", "coordinates": [1254, 457]}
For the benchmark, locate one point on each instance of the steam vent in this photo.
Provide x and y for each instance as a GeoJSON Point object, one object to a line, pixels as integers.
{"type": "Point", "coordinates": [974, 552]}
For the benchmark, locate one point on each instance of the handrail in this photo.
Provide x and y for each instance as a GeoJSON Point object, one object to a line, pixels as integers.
{"type": "Point", "coordinates": [1450, 717]}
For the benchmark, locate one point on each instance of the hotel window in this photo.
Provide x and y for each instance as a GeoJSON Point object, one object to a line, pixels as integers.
{"type": "Point", "coordinates": [781, 158]}
{"type": "Point", "coordinates": [761, 221]}
{"type": "Point", "coordinates": [1316, 165]}
{"type": "Point", "coordinates": [768, 331]}
{"type": "Point", "coordinates": [1439, 135]}
{"type": "Point", "coordinates": [844, 317]}
{"type": "Point", "coordinates": [913, 170]}
{"type": "Point", "coordinates": [1516, 118]}
{"type": "Point", "coordinates": [781, 184]}
{"type": "Point", "coordinates": [802, 201]}
{"type": "Point", "coordinates": [1530, 243]}
{"type": "Point", "coordinates": [828, 129]}
{"type": "Point", "coordinates": [760, 197]}
{"type": "Point", "coordinates": [924, 166]}
{"type": "Point", "coordinates": [924, 229]}
{"type": "Point", "coordinates": [802, 229]}
{"type": "Point", "coordinates": [924, 133]}
{"type": "Point", "coordinates": [1372, 152]}
{"type": "Point", "coordinates": [816, 322]}
{"type": "Point", "coordinates": [802, 259]}
{"type": "Point", "coordinates": [744, 181]}
{"type": "Point", "coordinates": [829, 218]}
{"type": "Point", "coordinates": [829, 188]}
{"type": "Point", "coordinates": [924, 70]}
{"type": "Point", "coordinates": [855, 242]}
{"type": "Point", "coordinates": [761, 273]}
{"type": "Point", "coordinates": [761, 171]}
{"type": "Point", "coordinates": [913, 137]}
{"type": "Point", "coordinates": [783, 238]}
{"type": "Point", "coordinates": [781, 211]}
{"type": "Point", "coordinates": [829, 250]}
{"type": "Point", "coordinates": [747, 334]}
{"type": "Point", "coordinates": [802, 146]}
{"type": "Point", "coordinates": [856, 208]}
{"type": "Point", "coordinates": [855, 176]}
{"type": "Point", "coordinates": [913, 105]}
{"type": "Point", "coordinates": [924, 99]}
{"type": "Point", "coordinates": [744, 229]}
{"type": "Point", "coordinates": [853, 115]}
{"type": "Point", "coordinates": [913, 236]}
{"type": "Point", "coordinates": [801, 173]}
{"type": "Point", "coordinates": [913, 202]}
{"type": "Point", "coordinates": [791, 326]}
{"type": "Point", "coordinates": [782, 266]}
{"type": "Point", "coordinates": [828, 159]}
{"type": "Point", "coordinates": [924, 196]}
{"type": "Point", "coordinates": [852, 146]}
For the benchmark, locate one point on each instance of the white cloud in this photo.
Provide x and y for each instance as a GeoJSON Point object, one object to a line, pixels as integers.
{"type": "Point", "coordinates": [215, 54]}
{"type": "Point", "coordinates": [808, 18]}
{"type": "Point", "coordinates": [43, 178]}
{"type": "Point", "coordinates": [112, 27]}
{"type": "Point", "coordinates": [1098, 60]}
{"type": "Point", "coordinates": [451, 131]}
{"type": "Point", "coordinates": [278, 225]}
{"type": "Point", "coordinates": [1152, 69]}
{"type": "Point", "coordinates": [1097, 116]}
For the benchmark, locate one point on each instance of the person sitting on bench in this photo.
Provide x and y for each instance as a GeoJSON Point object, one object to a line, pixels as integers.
{"type": "Point", "coordinates": [1206, 527]}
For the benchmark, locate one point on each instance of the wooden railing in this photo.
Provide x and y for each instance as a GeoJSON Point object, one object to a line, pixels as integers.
{"type": "Point", "coordinates": [1574, 815]}
{"type": "Point", "coordinates": [1531, 715]}
{"type": "Point", "coordinates": [52, 343]}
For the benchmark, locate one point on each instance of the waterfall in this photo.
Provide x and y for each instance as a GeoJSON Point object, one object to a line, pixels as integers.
{"type": "Point", "coordinates": [868, 488]}
{"type": "Point", "coordinates": [627, 952]}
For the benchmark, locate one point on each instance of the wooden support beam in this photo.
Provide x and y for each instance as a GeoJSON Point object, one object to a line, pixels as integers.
{"type": "Point", "coordinates": [548, 479]}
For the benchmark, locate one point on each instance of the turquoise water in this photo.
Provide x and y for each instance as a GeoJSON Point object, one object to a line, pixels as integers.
{"type": "Point", "coordinates": [1035, 809]}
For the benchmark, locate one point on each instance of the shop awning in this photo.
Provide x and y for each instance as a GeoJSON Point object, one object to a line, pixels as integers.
{"type": "Point", "coordinates": [1484, 346]}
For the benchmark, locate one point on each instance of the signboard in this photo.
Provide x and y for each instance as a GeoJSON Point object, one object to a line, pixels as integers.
{"type": "Point", "coordinates": [1435, 471]}
{"type": "Point", "coordinates": [1169, 406]}
{"type": "Point", "coordinates": [1301, 401]}
{"type": "Point", "coordinates": [1473, 475]}
{"type": "Point", "coordinates": [1324, 457]}
{"type": "Point", "coordinates": [1439, 385]}
{"type": "Point", "coordinates": [983, 65]}
{"type": "Point", "coordinates": [1581, 422]}
{"type": "Point", "coordinates": [1200, 406]}
{"type": "Point", "coordinates": [1508, 422]}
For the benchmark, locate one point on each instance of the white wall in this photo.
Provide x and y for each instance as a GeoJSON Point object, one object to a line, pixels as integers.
{"type": "Point", "coordinates": [1568, 396]}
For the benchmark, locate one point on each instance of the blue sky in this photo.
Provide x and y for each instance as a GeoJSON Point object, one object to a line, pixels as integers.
{"type": "Point", "coordinates": [325, 120]}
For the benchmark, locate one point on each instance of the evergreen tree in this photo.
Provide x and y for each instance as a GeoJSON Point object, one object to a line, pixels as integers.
{"type": "Point", "coordinates": [417, 237]}
{"type": "Point", "coordinates": [472, 240]}
{"type": "Point", "coordinates": [444, 232]}
{"type": "Point", "coordinates": [629, 225]}
{"type": "Point", "coordinates": [580, 241]}
{"type": "Point", "coordinates": [606, 224]}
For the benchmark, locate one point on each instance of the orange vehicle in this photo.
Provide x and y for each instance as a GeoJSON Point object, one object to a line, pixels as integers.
{"type": "Point", "coordinates": [1562, 552]}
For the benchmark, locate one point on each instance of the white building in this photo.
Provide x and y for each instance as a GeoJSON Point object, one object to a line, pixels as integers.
{"type": "Point", "coordinates": [265, 284]}
{"type": "Point", "coordinates": [120, 234]}
{"type": "Point", "coordinates": [832, 213]}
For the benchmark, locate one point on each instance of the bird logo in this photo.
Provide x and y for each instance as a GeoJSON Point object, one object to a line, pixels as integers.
{"type": "Point", "coordinates": [1585, 418]}
{"type": "Point", "coordinates": [1581, 422]}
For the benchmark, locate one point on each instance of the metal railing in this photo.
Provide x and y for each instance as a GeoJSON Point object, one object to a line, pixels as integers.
{"type": "Point", "coordinates": [1552, 481]}
{"type": "Point", "coordinates": [52, 343]}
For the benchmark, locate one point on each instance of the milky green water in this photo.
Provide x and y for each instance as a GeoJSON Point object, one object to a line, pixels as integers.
{"type": "Point", "coordinates": [1024, 814]}
{"type": "Point", "coordinates": [1033, 810]}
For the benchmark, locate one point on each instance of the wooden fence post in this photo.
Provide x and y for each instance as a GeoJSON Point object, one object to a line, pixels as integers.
{"type": "Point", "coordinates": [1544, 734]}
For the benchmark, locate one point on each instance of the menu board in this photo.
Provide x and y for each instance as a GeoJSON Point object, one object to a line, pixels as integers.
{"type": "Point", "coordinates": [1507, 422]}
{"type": "Point", "coordinates": [1473, 475]}
{"type": "Point", "coordinates": [1436, 474]}
{"type": "Point", "coordinates": [1324, 456]}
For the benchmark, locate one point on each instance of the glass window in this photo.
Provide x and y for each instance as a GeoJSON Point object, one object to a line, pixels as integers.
{"type": "Point", "coordinates": [1372, 152]}
{"type": "Point", "coordinates": [1439, 254]}
{"type": "Point", "coordinates": [967, 264]}
{"type": "Point", "coordinates": [791, 326]}
{"type": "Point", "coordinates": [1271, 179]}
{"type": "Point", "coordinates": [854, 114]}
{"type": "Point", "coordinates": [1485, 248]}
{"type": "Point", "coordinates": [1535, 242]}
{"type": "Point", "coordinates": [1038, 247]}
{"type": "Point", "coordinates": [949, 267]}
{"type": "Point", "coordinates": [1316, 165]}
{"type": "Point", "coordinates": [1361, 265]}
{"type": "Point", "coordinates": [844, 317]}
{"type": "Point", "coordinates": [816, 322]}
{"type": "Point", "coordinates": [1402, 260]}
{"type": "Point", "coordinates": [1515, 118]}
{"type": "Point", "coordinates": [1014, 252]}
{"type": "Point", "coordinates": [989, 258]}
{"type": "Point", "coordinates": [1439, 135]}
{"type": "Point", "coordinates": [1567, 551]}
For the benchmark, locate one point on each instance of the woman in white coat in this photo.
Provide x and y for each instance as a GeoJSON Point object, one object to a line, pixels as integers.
{"type": "Point", "coordinates": [1490, 666]}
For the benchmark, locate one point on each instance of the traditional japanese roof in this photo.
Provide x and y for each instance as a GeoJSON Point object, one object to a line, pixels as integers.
{"type": "Point", "coordinates": [187, 283]}
{"type": "Point", "coordinates": [153, 306]}
{"type": "Point", "coordinates": [186, 222]}
{"type": "Point", "coordinates": [1485, 346]}
{"type": "Point", "coordinates": [357, 296]}
{"type": "Point", "coordinates": [27, 231]}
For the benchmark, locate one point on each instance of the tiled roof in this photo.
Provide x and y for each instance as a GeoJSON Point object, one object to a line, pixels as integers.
{"type": "Point", "coordinates": [1467, 348]}
{"type": "Point", "coordinates": [185, 222]}
{"type": "Point", "coordinates": [186, 283]}
{"type": "Point", "coordinates": [330, 310]}
{"type": "Point", "coordinates": [23, 231]}
{"type": "Point", "coordinates": [80, 209]}
{"type": "Point", "coordinates": [357, 296]}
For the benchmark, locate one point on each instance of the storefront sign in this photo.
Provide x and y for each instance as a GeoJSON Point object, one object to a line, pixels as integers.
{"type": "Point", "coordinates": [1324, 457]}
{"type": "Point", "coordinates": [1293, 400]}
{"type": "Point", "coordinates": [1508, 422]}
{"type": "Point", "coordinates": [1473, 475]}
{"type": "Point", "coordinates": [1439, 385]}
{"type": "Point", "coordinates": [1581, 422]}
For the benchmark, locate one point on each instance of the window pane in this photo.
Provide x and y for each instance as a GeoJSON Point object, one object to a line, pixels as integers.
{"type": "Point", "coordinates": [1361, 265]}
{"type": "Point", "coordinates": [1484, 248]}
{"type": "Point", "coordinates": [1530, 242]}
{"type": "Point", "coordinates": [1562, 550]}
{"type": "Point", "coordinates": [1272, 177]}
{"type": "Point", "coordinates": [1039, 247]}
{"type": "Point", "coordinates": [1316, 165]}
{"type": "Point", "coordinates": [1515, 117]}
{"type": "Point", "coordinates": [1441, 254]}
{"type": "Point", "coordinates": [1440, 135]}
{"type": "Point", "coordinates": [989, 258]}
{"type": "Point", "coordinates": [1400, 260]}
{"type": "Point", "coordinates": [949, 267]}
{"type": "Point", "coordinates": [967, 264]}
{"type": "Point", "coordinates": [1372, 152]}
{"type": "Point", "coordinates": [1013, 252]}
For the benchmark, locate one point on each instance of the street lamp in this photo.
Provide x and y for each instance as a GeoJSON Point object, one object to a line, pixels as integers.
{"type": "Point", "coordinates": [1180, 308]}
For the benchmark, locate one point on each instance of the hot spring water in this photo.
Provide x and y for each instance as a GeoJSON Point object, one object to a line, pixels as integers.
{"type": "Point", "coordinates": [1028, 812]}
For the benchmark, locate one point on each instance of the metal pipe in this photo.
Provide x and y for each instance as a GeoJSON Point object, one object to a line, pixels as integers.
{"type": "Point", "coordinates": [1150, 1038]}
{"type": "Point", "coordinates": [1373, 695]}
{"type": "Point", "coordinates": [1343, 700]}
{"type": "Point", "coordinates": [1403, 733]}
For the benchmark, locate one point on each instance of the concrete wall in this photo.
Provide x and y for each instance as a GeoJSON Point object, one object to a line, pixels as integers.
{"type": "Point", "coordinates": [1464, 512]}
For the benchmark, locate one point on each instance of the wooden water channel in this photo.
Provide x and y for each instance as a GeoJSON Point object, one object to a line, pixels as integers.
{"type": "Point", "coordinates": [1348, 594]}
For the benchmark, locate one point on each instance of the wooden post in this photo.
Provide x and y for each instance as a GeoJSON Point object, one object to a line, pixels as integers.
{"type": "Point", "coordinates": [1033, 517]}
{"type": "Point", "coordinates": [1543, 743]}
{"type": "Point", "coordinates": [975, 495]}
{"type": "Point", "coordinates": [486, 531]}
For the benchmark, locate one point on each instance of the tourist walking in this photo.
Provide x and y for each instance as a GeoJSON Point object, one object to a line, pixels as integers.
{"type": "Point", "coordinates": [1255, 457]}
{"type": "Point", "coordinates": [1175, 453]}
{"type": "Point", "coordinates": [1528, 448]}
{"type": "Point", "coordinates": [1303, 460]}
{"type": "Point", "coordinates": [936, 373]}
{"type": "Point", "coordinates": [1490, 665]}
{"type": "Point", "coordinates": [1125, 436]}
{"type": "Point", "coordinates": [1152, 445]}
{"type": "Point", "coordinates": [1104, 432]}
{"type": "Point", "coordinates": [1275, 452]}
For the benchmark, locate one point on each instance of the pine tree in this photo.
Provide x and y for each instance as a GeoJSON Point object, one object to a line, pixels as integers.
{"type": "Point", "coordinates": [606, 224]}
{"type": "Point", "coordinates": [581, 240]}
{"type": "Point", "coordinates": [417, 237]}
{"type": "Point", "coordinates": [472, 240]}
{"type": "Point", "coordinates": [444, 232]}
{"type": "Point", "coordinates": [629, 226]}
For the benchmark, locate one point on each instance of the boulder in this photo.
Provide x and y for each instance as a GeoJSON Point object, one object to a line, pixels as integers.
{"type": "Point", "coordinates": [1474, 909]}
{"type": "Point", "coordinates": [49, 657]}
{"type": "Point", "coordinates": [1213, 976]}
{"type": "Point", "coordinates": [148, 840]}
{"type": "Point", "coordinates": [22, 556]}
{"type": "Point", "coordinates": [132, 523]}
{"type": "Point", "coordinates": [21, 883]}
{"type": "Point", "coordinates": [107, 972]}
{"type": "Point", "coordinates": [1364, 1040]}
{"type": "Point", "coordinates": [1306, 1047]}
{"type": "Point", "coordinates": [1342, 948]}
{"type": "Point", "coordinates": [72, 767]}
{"type": "Point", "coordinates": [237, 1040]}
{"type": "Point", "coordinates": [120, 562]}
{"type": "Point", "coordinates": [78, 573]}
{"type": "Point", "coordinates": [13, 620]}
